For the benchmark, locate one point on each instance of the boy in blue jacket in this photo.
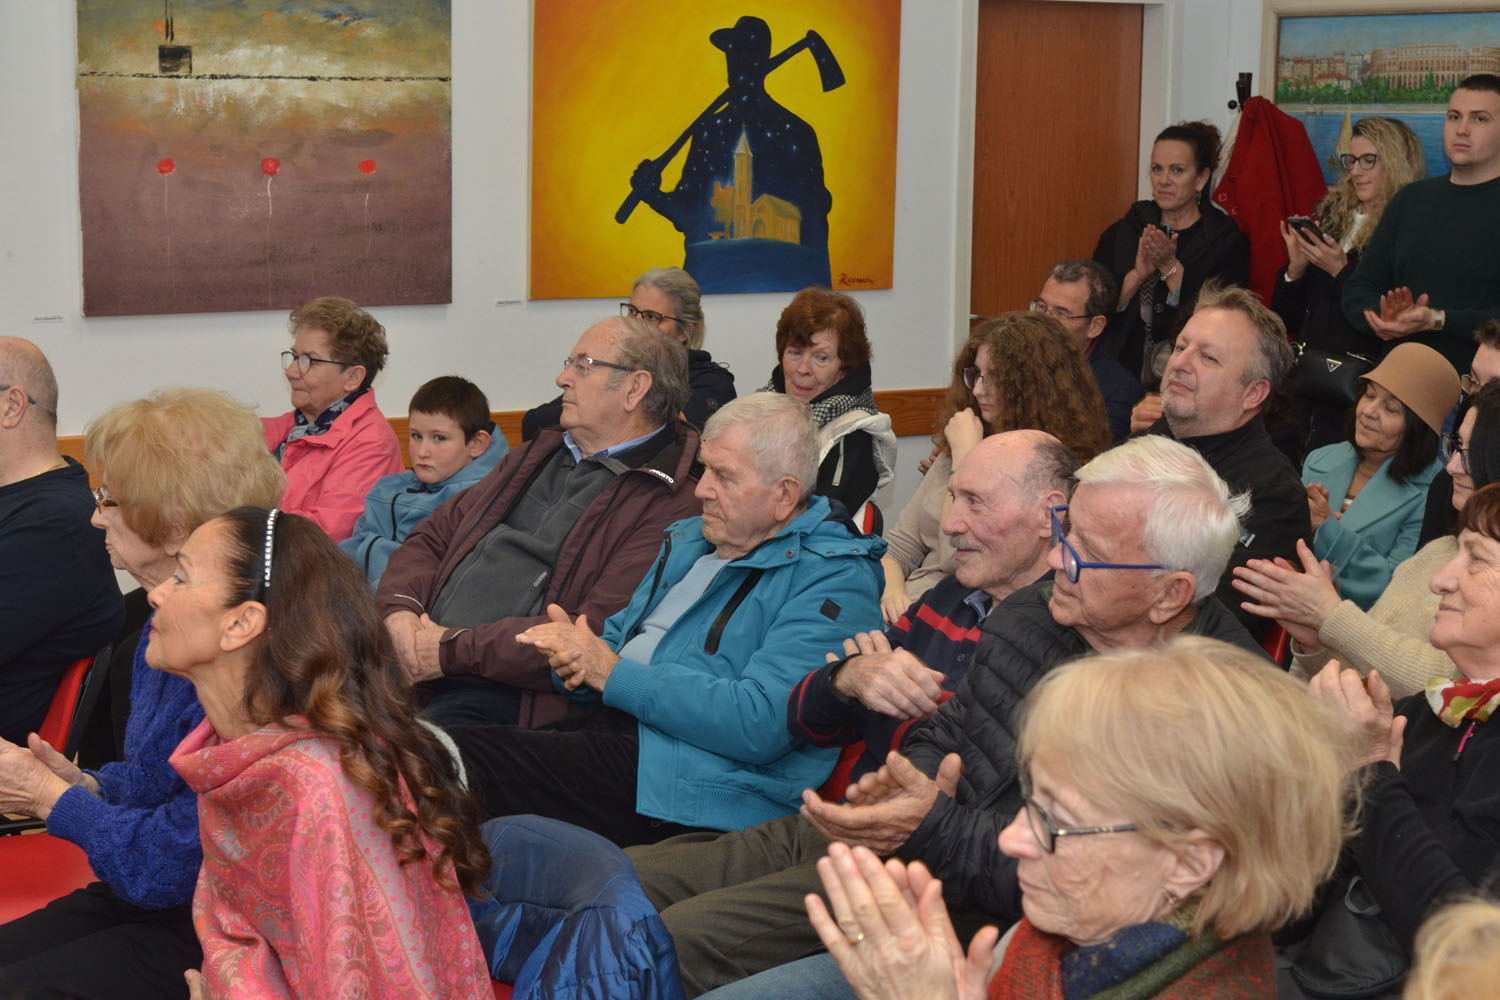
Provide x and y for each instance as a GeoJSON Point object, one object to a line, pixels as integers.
{"type": "Point", "coordinates": [453, 446]}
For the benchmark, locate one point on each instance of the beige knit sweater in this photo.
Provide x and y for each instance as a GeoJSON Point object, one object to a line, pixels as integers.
{"type": "Point", "coordinates": [1392, 636]}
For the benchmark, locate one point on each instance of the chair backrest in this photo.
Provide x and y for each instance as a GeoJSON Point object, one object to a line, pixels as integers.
{"type": "Point", "coordinates": [1277, 644]}
{"type": "Point", "coordinates": [74, 701]}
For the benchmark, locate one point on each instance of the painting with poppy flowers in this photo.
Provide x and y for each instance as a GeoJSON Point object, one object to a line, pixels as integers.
{"type": "Point", "coordinates": [238, 156]}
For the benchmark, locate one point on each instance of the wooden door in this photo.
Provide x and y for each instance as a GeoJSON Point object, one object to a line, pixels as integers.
{"type": "Point", "coordinates": [1056, 133]}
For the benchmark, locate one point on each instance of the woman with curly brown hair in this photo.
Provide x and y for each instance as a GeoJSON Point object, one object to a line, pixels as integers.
{"type": "Point", "coordinates": [336, 834]}
{"type": "Point", "coordinates": [1018, 371]}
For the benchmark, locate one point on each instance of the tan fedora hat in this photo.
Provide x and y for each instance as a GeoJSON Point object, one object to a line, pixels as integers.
{"type": "Point", "coordinates": [1422, 379]}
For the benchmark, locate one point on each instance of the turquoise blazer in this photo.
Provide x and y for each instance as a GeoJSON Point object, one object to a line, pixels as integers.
{"type": "Point", "coordinates": [1378, 531]}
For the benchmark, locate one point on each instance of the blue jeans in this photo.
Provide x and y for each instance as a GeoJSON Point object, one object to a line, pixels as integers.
{"type": "Point", "coordinates": [816, 977]}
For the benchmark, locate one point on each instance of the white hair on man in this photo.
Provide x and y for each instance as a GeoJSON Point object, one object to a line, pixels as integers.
{"type": "Point", "coordinates": [1194, 522]}
{"type": "Point", "coordinates": [784, 441]}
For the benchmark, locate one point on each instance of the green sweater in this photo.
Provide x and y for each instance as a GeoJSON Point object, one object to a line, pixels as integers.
{"type": "Point", "coordinates": [1441, 239]}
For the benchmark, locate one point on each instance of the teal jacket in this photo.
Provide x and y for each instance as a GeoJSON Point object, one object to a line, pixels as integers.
{"type": "Point", "coordinates": [1377, 532]}
{"type": "Point", "coordinates": [714, 747]}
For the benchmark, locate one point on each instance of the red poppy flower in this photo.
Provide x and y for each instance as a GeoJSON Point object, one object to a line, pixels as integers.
{"type": "Point", "coordinates": [165, 167]}
{"type": "Point", "coordinates": [269, 166]}
{"type": "Point", "coordinates": [367, 166]}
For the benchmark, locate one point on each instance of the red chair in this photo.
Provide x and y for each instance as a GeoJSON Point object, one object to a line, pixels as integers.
{"type": "Point", "coordinates": [67, 708]}
{"type": "Point", "coordinates": [837, 784]}
{"type": "Point", "coordinates": [73, 703]}
{"type": "Point", "coordinates": [1277, 645]}
{"type": "Point", "coordinates": [38, 869]}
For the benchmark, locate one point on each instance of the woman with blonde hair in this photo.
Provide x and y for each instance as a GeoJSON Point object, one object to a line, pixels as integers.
{"type": "Point", "coordinates": [1177, 805]}
{"type": "Point", "coordinates": [1018, 371]}
{"type": "Point", "coordinates": [1458, 952]}
{"type": "Point", "coordinates": [1384, 156]}
{"type": "Point", "coordinates": [165, 465]}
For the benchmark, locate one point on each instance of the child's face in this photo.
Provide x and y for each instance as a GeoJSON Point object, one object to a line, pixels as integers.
{"type": "Point", "coordinates": [438, 448]}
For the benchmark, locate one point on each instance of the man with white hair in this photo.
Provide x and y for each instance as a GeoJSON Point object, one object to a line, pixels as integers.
{"type": "Point", "coordinates": [1137, 552]}
{"type": "Point", "coordinates": [687, 689]}
{"type": "Point", "coordinates": [58, 597]}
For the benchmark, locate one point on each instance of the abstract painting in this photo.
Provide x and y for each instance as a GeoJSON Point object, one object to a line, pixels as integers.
{"type": "Point", "coordinates": [237, 155]}
{"type": "Point", "coordinates": [1333, 70]}
{"type": "Point", "coordinates": [755, 146]}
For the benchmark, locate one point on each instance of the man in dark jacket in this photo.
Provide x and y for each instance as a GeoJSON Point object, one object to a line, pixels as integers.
{"type": "Point", "coordinates": [1081, 295]}
{"type": "Point", "coordinates": [734, 903]}
{"type": "Point", "coordinates": [573, 519]}
{"type": "Point", "coordinates": [1229, 358]}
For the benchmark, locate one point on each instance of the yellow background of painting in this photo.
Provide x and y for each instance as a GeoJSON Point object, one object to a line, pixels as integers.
{"type": "Point", "coordinates": [614, 82]}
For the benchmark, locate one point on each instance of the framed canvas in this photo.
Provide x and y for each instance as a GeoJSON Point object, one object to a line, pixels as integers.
{"type": "Point", "coordinates": [238, 156]}
{"type": "Point", "coordinates": [1329, 64]}
{"type": "Point", "coordinates": [755, 147]}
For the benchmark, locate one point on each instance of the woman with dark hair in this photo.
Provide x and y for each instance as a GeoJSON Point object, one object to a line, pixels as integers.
{"type": "Point", "coordinates": [1382, 471]}
{"type": "Point", "coordinates": [336, 834]}
{"type": "Point", "coordinates": [334, 443]}
{"type": "Point", "coordinates": [1384, 156]}
{"type": "Point", "coordinates": [824, 361]}
{"type": "Point", "coordinates": [1017, 371]}
{"type": "Point", "coordinates": [1164, 249]}
{"type": "Point", "coordinates": [1392, 635]}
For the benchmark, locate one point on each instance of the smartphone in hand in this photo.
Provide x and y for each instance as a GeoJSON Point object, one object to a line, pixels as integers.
{"type": "Point", "coordinates": [1306, 227]}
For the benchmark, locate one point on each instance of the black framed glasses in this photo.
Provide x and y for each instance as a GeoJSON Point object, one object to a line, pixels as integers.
{"type": "Point", "coordinates": [1366, 162]}
{"type": "Point", "coordinates": [7, 388]}
{"type": "Point", "coordinates": [649, 315]}
{"type": "Point", "coordinates": [102, 499]}
{"type": "Point", "coordinates": [1073, 563]}
{"type": "Point", "coordinates": [1454, 445]}
{"type": "Point", "coordinates": [1038, 306]}
{"type": "Point", "coordinates": [583, 364]}
{"type": "Point", "coordinates": [1046, 831]}
{"type": "Point", "coordinates": [1469, 383]}
{"type": "Point", "coordinates": [973, 376]}
{"type": "Point", "coordinates": [304, 362]}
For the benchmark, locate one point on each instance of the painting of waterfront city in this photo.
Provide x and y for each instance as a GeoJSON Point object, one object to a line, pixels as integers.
{"type": "Point", "coordinates": [1331, 71]}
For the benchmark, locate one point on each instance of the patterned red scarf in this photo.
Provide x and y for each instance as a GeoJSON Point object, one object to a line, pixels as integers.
{"type": "Point", "coordinates": [1242, 969]}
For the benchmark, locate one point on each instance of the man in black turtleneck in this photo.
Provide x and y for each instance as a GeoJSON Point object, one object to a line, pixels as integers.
{"type": "Point", "coordinates": [1228, 358]}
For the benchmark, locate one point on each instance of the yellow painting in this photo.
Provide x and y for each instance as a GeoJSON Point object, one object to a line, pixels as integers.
{"type": "Point", "coordinates": [753, 146]}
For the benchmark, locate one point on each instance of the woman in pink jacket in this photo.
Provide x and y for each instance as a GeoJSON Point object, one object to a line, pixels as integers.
{"type": "Point", "coordinates": [335, 442]}
{"type": "Point", "coordinates": [336, 834]}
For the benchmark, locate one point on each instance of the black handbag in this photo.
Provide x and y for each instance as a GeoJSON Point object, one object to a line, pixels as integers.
{"type": "Point", "coordinates": [1350, 952]}
{"type": "Point", "coordinates": [1328, 378]}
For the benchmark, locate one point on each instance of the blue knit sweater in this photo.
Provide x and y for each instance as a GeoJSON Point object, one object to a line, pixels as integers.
{"type": "Point", "coordinates": [141, 832]}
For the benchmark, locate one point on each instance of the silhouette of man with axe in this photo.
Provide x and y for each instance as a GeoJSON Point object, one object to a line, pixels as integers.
{"type": "Point", "coordinates": [787, 164]}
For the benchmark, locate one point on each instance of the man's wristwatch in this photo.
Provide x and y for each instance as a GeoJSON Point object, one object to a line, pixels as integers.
{"type": "Point", "coordinates": [1439, 318]}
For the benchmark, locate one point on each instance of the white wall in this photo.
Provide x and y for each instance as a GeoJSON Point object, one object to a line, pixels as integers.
{"type": "Point", "coordinates": [512, 350]}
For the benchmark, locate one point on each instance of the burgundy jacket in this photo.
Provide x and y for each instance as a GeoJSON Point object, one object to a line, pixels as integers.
{"type": "Point", "coordinates": [599, 566]}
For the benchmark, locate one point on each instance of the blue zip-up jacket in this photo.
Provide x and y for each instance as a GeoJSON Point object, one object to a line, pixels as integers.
{"type": "Point", "coordinates": [714, 746]}
{"type": "Point", "coordinates": [399, 502]}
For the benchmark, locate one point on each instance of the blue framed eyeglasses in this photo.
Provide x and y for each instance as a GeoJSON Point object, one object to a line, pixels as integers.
{"type": "Point", "coordinates": [1072, 562]}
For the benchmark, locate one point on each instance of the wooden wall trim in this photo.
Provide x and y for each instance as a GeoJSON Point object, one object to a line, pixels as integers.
{"type": "Point", "coordinates": [914, 413]}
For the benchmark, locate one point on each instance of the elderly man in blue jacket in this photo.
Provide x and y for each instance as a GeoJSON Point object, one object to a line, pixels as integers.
{"type": "Point", "coordinates": [684, 726]}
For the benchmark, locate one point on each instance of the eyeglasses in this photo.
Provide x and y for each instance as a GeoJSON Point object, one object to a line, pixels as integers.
{"type": "Point", "coordinates": [583, 364]}
{"type": "Point", "coordinates": [1046, 831]}
{"type": "Point", "coordinates": [1038, 306]}
{"type": "Point", "coordinates": [305, 361]}
{"type": "Point", "coordinates": [649, 315]}
{"type": "Point", "coordinates": [1366, 162]}
{"type": "Point", "coordinates": [1073, 564]}
{"type": "Point", "coordinates": [102, 499]}
{"type": "Point", "coordinates": [1454, 445]}
{"type": "Point", "coordinates": [1470, 383]}
{"type": "Point", "coordinates": [973, 376]}
{"type": "Point", "coordinates": [7, 388]}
